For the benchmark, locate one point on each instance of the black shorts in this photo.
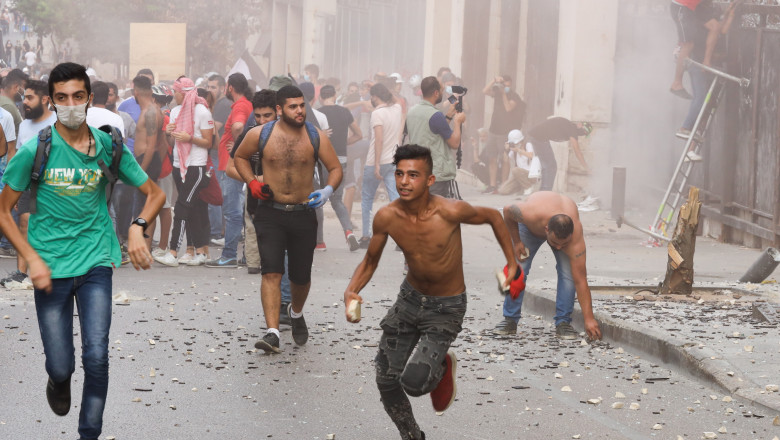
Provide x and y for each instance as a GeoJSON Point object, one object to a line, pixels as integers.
{"type": "Point", "coordinates": [706, 11]}
{"type": "Point", "coordinates": [687, 24]}
{"type": "Point", "coordinates": [293, 231]}
{"type": "Point", "coordinates": [495, 146]}
{"type": "Point", "coordinates": [23, 204]}
{"type": "Point", "coordinates": [154, 169]}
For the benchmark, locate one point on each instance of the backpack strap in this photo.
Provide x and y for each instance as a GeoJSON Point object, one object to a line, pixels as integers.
{"type": "Point", "coordinates": [265, 134]}
{"type": "Point", "coordinates": [39, 166]}
{"type": "Point", "coordinates": [314, 137]}
{"type": "Point", "coordinates": [112, 172]}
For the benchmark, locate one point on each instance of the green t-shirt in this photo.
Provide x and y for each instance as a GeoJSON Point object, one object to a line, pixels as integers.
{"type": "Point", "coordinates": [72, 230]}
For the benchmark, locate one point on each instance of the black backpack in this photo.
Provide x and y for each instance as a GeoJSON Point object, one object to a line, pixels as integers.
{"type": "Point", "coordinates": [42, 157]}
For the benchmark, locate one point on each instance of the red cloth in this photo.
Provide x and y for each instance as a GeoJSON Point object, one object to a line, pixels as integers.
{"type": "Point", "coordinates": [186, 120]}
{"type": "Point", "coordinates": [690, 4]}
{"type": "Point", "coordinates": [239, 112]}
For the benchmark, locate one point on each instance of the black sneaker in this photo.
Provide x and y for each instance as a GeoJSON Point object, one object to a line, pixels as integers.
{"type": "Point", "coordinates": [284, 316]}
{"type": "Point", "coordinates": [352, 241]}
{"type": "Point", "coordinates": [269, 343]}
{"type": "Point", "coordinates": [8, 252]}
{"type": "Point", "coordinates": [251, 270]}
{"type": "Point", "coordinates": [13, 276]}
{"type": "Point", "coordinates": [564, 330]}
{"type": "Point", "coordinates": [300, 332]}
{"type": "Point", "coordinates": [505, 327]}
{"type": "Point", "coordinates": [364, 241]}
{"type": "Point", "coordinates": [58, 396]}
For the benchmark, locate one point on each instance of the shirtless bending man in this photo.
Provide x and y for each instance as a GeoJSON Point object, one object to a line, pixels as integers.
{"type": "Point", "coordinates": [284, 217]}
{"type": "Point", "coordinates": [150, 143]}
{"type": "Point", "coordinates": [551, 217]}
{"type": "Point", "coordinates": [414, 356]}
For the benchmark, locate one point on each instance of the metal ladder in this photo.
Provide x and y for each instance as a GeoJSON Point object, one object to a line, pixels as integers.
{"type": "Point", "coordinates": [659, 229]}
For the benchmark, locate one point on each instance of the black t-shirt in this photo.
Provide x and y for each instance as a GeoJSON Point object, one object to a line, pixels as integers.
{"type": "Point", "coordinates": [503, 121]}
{"type": "Point", "coordinates": [555, 129]}
{"type": "Point", "coordinates": [339, 120]}
{"type": "Point", "coordinates": [221, 112]}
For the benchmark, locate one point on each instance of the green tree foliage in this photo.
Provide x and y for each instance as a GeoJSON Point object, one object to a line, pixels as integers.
{"type": "Point", "coordinates": [216, 30]}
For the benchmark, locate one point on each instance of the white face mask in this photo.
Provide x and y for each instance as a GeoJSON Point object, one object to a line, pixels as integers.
{"type": "Point", "coordinates": [72, 116]}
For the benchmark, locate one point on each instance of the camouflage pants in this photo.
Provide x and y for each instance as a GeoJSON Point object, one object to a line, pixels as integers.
{"type": "Point", "coordinates": [417, 332]}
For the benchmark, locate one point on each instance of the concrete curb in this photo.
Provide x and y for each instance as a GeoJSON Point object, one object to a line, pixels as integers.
{"type": "Point", "coordinates": [700, 362]}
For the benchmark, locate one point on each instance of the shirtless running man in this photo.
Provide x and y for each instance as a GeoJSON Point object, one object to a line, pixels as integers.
{"type": "Point", "coordinates": [431, 304]}
{"type": "Point", "coordinates": [285, 218]}
{"type": "Point", "coordinates": [551, 217]}
{"type": "Point", "coordinates": [150, 143]}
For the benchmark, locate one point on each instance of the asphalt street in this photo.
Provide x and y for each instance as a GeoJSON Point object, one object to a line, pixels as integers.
{"type": "Point", "coordinates": [183, 366]}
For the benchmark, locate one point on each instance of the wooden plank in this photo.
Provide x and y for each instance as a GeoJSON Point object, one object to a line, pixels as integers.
{"type": "Point", "coordinates": [675, 256]}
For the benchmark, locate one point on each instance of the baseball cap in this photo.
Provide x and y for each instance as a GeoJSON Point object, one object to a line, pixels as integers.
{"type": "Point", "coordinates": [515, 137]}
{"type": "Point", "coordinates": [279, 81]}
{"type": "Point", "coordinates": [398, 78]}
{"type": "Point", "coordinates": [587, 128]}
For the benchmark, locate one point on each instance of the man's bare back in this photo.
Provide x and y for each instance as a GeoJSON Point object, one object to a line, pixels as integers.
{"type": "Point", "coordinates": [149, 136]}
{"type": "Point", "coordinates": [536, 210]}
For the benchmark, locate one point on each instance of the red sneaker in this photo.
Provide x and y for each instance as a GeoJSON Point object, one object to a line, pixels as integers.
{"type": "Point", "coordinates": [321, 247]}
{"type": "Point", "coordinates": [444, 394]}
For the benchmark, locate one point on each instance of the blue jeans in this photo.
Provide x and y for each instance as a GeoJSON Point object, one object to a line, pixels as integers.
{"type": "Point", "coordinates": [564, 299]}
{"type": "Point", "coordinates": [215, 219]}
{"type": "Point", "coordinates": [337, 202]}
{"type": "Point", "coordinates": [370, 184]}
{"type": "Point", "coordinates": [699, 88]}
{"type": "Point", "coordinates": [92, 292]}
{"type": "Point", "coordinates": [285, 284]}
{"type": "Point", "coordinates": [233, 200]}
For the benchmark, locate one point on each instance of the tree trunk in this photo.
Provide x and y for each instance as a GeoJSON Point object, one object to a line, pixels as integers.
{"type": "Point", "coordinates": [679, 269]}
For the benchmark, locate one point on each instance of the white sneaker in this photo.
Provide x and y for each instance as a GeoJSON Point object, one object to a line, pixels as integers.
{"type": "Point", "coordinates": [218, 242]}
{"type": "Point", "coordinates": [157, 252]}
{"type": "Point", "coordinates": [186, 258]}
{"type": "Point", "coordinates": [197, 260]}
{"type": "Point", "coordinates": [167, 259]}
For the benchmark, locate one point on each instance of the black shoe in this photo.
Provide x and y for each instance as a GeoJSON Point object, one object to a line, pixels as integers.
{"type": "Point", "coordinates": [252, 270]}
{"type": "Point", "coordinates": [269, 343]}
{"type": "Point", "coordinates": [564, 330]}
{"type": "Point", "coordinates": [352, 241]}
{"type": "Point", "coordinates": [505, 327]}
{"type": "Point", "coordinates": [682, 93]}
{"type": "Point", "coordinates": [300, 332]}
{"type": "Point", "coordinates": [284, 317]}
{"type": "Point", "coordinates": [13, 276]}
{"type": "Point", "coordinates": [58, 396]}
{"type": "Point", "coordinates": [364, 241]}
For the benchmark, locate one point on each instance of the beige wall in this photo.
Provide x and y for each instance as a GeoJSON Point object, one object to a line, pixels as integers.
{"type": "Point", "coordinates": [586, 67]}
{"type": "Point", "coordinates": [167, 61]}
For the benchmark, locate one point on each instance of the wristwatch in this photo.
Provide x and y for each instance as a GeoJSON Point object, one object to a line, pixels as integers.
{"type": "Point", "coordinates": [143, 224]}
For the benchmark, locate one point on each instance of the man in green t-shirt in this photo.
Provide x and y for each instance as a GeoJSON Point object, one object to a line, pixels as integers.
{"type": "Point", "coordinates": [71, 247]}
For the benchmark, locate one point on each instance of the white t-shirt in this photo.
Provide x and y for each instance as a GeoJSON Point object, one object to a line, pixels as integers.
{"type": "Point", "coordinates": [30, 57]}
{"type": "Point", "coordinates": [29, 129]}
{"type": "Point", "coordinates": [98, 117]}
{"type": "Point", "coordinates": [7, 121]}
{"type": "Point", "coordinates": [203, 121]}
{"type": "Point", "coordinates": [520, 160]}
{"type": "Point", "coordinates": [321, 119]}
{"type": "Point", "coordinates": [390, 118]}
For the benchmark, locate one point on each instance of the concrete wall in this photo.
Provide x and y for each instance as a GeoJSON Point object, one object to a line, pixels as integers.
{"type": "Point", "coordinates": [584, 85]}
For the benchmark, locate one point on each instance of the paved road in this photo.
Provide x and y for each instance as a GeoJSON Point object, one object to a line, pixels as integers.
{"type": "Point", "coordinates": [210, 383]}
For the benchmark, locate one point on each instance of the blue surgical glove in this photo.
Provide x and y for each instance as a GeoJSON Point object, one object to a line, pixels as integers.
{"type": "Point", "coordinates": [319, 197]}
